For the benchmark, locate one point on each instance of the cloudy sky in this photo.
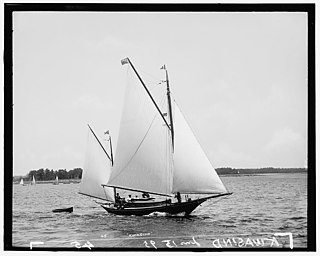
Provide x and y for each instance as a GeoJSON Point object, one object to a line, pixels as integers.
{"type": "Point", "coordinates": [240, 80]}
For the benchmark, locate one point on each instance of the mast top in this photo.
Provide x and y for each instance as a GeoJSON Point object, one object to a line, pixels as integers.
{"type": "Point", "coordinates": [127, 61]}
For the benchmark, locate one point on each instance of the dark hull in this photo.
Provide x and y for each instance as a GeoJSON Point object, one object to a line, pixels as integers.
{"type": "Point", "coordinates": [63, 210]}
{"type": "Point", "coordinates": [171, 208]}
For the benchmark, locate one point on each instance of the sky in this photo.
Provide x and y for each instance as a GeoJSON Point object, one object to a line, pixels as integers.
{"type": "Point", "coordinates": [240, 80]}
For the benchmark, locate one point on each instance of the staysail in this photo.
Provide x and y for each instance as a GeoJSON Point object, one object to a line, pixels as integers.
{"type": "Point", "coordinates": [193, 172]}
{"type": "Point", "coordinates": [143, 159]}
{"type": "Point", "coordinates": [96, 171]}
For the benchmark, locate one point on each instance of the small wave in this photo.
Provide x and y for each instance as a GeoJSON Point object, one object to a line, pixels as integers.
{"type": "Point", "coordinates": [228, 226]}
{"type": "Point", "coordinates": [285, 226]}
{"type": "Point", "coordinates": [45, 217]}
{"type": "Point", "coordinates": [297, 218]}
{"type": "Point", "coordinates": [301, 235]}
{"type": "Point", "coordinates": [246, 220]}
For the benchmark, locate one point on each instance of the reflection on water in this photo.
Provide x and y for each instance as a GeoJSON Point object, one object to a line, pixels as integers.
{"type": "Point", "coordinates": [259, 207]}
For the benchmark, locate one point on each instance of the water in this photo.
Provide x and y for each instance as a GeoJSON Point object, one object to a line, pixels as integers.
{"type": "Point", "coordinates": [260, 207]}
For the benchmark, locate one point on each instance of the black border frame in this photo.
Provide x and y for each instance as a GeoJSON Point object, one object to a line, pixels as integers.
{"type": "Point", "coordinates": [9, 8]}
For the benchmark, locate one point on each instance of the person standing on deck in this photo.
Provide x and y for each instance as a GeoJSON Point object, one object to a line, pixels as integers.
{"type": "Point", "coordinates": [178, 196]}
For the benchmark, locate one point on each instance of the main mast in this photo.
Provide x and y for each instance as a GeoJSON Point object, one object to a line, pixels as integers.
{"type": "Point", "coordinates": [170, 107]}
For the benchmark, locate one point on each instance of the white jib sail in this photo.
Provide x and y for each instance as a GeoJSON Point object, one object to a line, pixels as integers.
{"type": "Point", "coordinates": [192, 171]}
{"type": "Point", "coordinates": [96, 171]}
{"type": "Point", "coordinates": [142, 160]}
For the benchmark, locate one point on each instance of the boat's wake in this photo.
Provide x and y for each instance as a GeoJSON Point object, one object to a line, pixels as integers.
{"type": "Point", "coordinates": [165, 214]}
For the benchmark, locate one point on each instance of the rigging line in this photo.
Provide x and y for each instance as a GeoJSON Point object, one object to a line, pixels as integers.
{"type": "Point", "coordinates": [144, 86]}
{"type": "Point", "coordinates": [99, 142]}
{"type": "Point", "coordinates": [154, 78]}
{"type": "Point", "coordinates": [140, 142]}
{"type": "Point", "coordinates": [137, 147]}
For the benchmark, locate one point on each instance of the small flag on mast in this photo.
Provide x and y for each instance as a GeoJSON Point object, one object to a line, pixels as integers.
{"type": "Point", "coordinates": [125, 61]}
{"type": "Point", "coordinates": [107, 132]}
{"type": "Point", "coordinates": [163, 67]}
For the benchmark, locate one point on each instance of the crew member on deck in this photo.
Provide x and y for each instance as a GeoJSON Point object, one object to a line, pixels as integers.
{"type": "Point", "coordinates": [178, 196]}
{"type": "Point", "coordinates": [117, 198]}
{"type": "Point", "coordinates": [145, 195]}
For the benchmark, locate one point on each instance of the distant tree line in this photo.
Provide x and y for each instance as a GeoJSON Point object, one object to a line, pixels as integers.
{"type": "Point", "coordinates": [228, 170]}
{"type": "Point", "coordinates": [76, 173]}
{"type": "Point", "coordinates": [46, 174]}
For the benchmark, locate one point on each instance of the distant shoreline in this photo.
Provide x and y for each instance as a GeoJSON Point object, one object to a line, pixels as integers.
{"type": "Point", "coordinates": [225, 171]}
{"type": "Point", "coordinates": [231, 171]}
{"type": "Point", "coordinates": [64, 181]}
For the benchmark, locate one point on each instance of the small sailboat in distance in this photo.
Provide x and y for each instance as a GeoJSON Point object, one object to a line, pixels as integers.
{"type": "Point", "coordinates": [56, 181]}
{"type": "Point", "coordinates": [33, 182]}
{"type": "Point", "coordinates": [22, 183]}
{"type": "Point", "coordinates": [157, 153]}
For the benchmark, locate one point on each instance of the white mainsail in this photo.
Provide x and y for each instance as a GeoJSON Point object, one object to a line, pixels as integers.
{"type": "Point", "coordinates": [96, 171]}
{"type": "Point", "coordinates": [143, 159]}
{"type": "Point", "coordinates": [193, 172]}
{"type": "Point", "coordinates": [21, 182]}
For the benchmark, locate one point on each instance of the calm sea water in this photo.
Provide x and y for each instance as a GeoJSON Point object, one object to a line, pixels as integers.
{"type": "Point", "coordinates": [261, 207]}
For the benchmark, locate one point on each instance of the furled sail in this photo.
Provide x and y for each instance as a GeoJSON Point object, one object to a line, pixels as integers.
{"type": "Point", "coordinates": [143, 159]}
{"type": "Point", "coordinates": [192, 171]}
{"type": "Point", "coordinates": [96, 171]}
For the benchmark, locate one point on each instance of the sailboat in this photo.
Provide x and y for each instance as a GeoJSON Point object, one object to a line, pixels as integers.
{"type": "Point", "coordinates": [22, 183]}
{"type": "Point", "coordinates": [56, 181]}
{"type": "Point", "coordinates": [33, 182]}
{"type": "Point", "coordinates": [157, 153]}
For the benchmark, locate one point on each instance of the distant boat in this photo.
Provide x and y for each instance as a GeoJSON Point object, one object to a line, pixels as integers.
{"type": "Point", "coordinates": [56, 181]}
{"type": "Point", "coordinates": [157, 153]}
{"type": "Point", "coordinates": [33, 182]}
{"type": "Point", "coordinates": [70, 209]}
{"type": "Point", "coordinates": [22, 183]}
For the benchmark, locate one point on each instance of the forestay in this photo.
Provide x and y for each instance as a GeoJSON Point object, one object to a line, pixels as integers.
{"type": "Point", "coordinates": [96, 171]}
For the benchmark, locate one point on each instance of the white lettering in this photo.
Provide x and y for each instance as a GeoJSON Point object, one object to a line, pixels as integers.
{"type": "Point", "coordinates": [241, 242]}
{"type": "Point", "coordinates": [286, 234]}
{"type": "Point", "coordinates": [228, 242]}
{"type": "Point", "coordinates": [218, 245]}
{"type": "Point", "coordinates": [249, 242]}
{"type": "Point", "coordinates": [258, 242]}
